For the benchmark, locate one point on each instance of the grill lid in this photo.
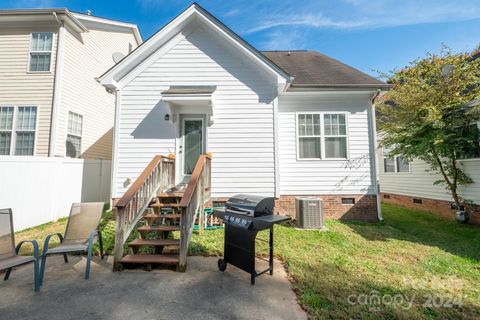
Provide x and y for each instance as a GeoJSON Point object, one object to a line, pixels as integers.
{"type": "Point", "coordinates": [251, 205]}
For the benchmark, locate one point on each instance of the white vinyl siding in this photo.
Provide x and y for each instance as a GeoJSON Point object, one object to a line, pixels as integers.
{"type": "Point", "coordinates": [17, 130]}
{"type": "Point", "coordinates": [18, 87]}
{"type": "Point", "coordinates": [419, 181]}
{"type": "Point", "coordinates": [241, 138]}
{"type": "Point", "coordinates": [328, 176]}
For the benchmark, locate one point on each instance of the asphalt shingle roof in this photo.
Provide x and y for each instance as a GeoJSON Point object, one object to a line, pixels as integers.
{"type": "Point", "coordinates": [314, 69]}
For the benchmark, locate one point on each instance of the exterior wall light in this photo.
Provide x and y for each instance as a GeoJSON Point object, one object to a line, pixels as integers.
{"type": "Point", "coordinates": [167, 117]}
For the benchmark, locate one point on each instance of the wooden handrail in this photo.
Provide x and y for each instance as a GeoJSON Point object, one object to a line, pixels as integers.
{"type": "Point", "coordinates": [192, 204]}
{"type": "Point", "coordinates": [127, 196]}
{"type": "Point", "coordinates": [196, 174]}
{"type": "Point", "coordinates": [159, 174]}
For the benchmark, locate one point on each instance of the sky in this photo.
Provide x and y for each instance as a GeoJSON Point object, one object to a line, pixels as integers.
{"type": "Point", "coordinates": [371, 35]}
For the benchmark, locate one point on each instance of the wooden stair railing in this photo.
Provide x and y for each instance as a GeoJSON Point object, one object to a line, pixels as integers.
{"type": "Point", "coordinates": [196, 195]}
{"type": "Point", "coordinates": [159, 174]}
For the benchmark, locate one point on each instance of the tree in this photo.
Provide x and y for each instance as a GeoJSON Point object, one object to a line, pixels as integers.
{"type": "Point", "coordinates": [429, 115]}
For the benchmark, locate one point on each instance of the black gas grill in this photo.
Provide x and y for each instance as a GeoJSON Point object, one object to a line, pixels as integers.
{"type": "Point", "coordinates": [245, 215]}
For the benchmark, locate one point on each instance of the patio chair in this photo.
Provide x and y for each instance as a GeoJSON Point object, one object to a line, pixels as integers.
{"type": "Point", "coordinates": [80, 235]}
{"type": "Point", "coordinates": [9, 257]}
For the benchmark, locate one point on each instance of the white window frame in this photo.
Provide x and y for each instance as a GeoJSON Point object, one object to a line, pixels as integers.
{"type": "Point", "coordinates": [395, 164]}
{"type": "Point", "coordinates": [13, 137]}
{"type": "Point", "coordinates": [30, 52]}
{"type": "Point", "coordinates": [74, 135]}
{"type": "Point", "coordinates": [322, 136]}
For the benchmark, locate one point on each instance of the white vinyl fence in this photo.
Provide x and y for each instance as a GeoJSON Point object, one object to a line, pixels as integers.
{"type": "Point", "coordinates": [40, 190]}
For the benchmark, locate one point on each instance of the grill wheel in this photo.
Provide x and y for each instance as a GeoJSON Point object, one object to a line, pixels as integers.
{"type": "Point", "coordinates": [222, 265]}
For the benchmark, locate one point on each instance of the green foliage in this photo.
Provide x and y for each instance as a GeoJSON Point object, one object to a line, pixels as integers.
{"type": "Point", "coordinates": [427, 115]}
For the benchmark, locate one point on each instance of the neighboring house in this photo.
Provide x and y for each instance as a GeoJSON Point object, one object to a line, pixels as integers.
{"type": "Point", "coordinates": [277, 123]}
{"type": "Point", "coordinates": [53, 110]}
{"type": "Point", "coordinates": [411, 184]}
{"type": "Point", "coordinates": [50, 103]}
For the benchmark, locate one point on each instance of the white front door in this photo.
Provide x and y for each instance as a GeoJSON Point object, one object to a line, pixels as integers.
{"type": "Point", "coordinates": [192, 143]}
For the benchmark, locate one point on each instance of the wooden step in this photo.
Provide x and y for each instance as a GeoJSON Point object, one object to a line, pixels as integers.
{"type": "Point", "coordinates": [165, 205]}
{"type": "Point", "coordinates": [170, 195]}
{"type": "Point", "coordinates": [154, 242]}
{"type": "Point", "coordinates": [162, 216]}
{"type": "Point", "coordinates": [158, 228]}
{"type": "Point", "coordinates": [151, 258]}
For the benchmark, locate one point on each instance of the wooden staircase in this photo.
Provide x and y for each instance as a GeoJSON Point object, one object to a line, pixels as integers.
{"type": "Point", "coordinates": [163, 219]}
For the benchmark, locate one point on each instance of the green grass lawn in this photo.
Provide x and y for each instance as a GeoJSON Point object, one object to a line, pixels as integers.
{"type": "Point", "coordinates": [422, 266]}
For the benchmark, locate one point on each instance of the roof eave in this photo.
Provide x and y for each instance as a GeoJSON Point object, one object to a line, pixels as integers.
{"type": "Point", "coordinates": [70, 18]}
{"type": "Point", "coordinates": [384, 86]}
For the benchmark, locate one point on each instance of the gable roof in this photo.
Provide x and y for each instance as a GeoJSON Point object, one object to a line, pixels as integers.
{"type": "Point", "coordinates": [111, 77]}
{"type": "Point", "coordinates": [316, 70]}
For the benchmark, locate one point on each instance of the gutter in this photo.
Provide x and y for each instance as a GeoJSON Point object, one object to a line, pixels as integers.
{"type": "Point", "coordinates": [374, 158]}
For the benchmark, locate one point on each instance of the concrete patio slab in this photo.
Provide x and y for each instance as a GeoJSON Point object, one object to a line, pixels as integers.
{"type": "Point", "coordinates": [202, 292]}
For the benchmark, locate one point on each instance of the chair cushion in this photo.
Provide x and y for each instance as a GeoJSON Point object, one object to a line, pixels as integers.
{"type": "Point", "coordinates": [15, 261]}
{"type": "Point", "coordinates": [68, 248]}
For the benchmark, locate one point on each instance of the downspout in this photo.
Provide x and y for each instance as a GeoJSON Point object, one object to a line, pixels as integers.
{"type": "Point", "coordinates": [56, 86]}
{"type": "Point", "coordinates": [374, 155]}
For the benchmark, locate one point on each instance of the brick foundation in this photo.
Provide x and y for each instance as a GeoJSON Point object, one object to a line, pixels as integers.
{"type": "Point", "coordinates": [439, 207]}
{"type": "Point", "coordinates": [365, 207]}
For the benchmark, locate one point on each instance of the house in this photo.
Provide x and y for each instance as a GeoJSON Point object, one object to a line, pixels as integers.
{"type": "Point", "coordinates": [53, 111]}
{"type": "Point", "coordinates": [412, 183]}
{"type": "Point", "coordinates": [50, 103]}
{"type": "Point", "coordinates": [276, 123]}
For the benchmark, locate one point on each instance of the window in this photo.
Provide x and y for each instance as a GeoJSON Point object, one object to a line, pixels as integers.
{"type": "Point", "coordinates": [17, 130]}
{"type": "Point", "coordinates": [389, 164]}
{"type": "Point", "coordinates": [335, 136]}
{"type": "Point", "coordinates": [74, 135]}
{"type": "Point", "coordinates": [395, 164]}
{"type": "Point", "coordinates": [309, 138]}
{"type": "Point", "coordinates": [322, 136]}
{"type": "Point", "coordinates": [348, 200]}
{"type": "Point", "coordinates": [40, 51]}
{"type": "Point", "coordinates": [417, 201]}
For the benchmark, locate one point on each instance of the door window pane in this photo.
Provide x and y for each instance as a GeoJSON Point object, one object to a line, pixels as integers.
{"type": "Point", "coordinates": [193, 144]}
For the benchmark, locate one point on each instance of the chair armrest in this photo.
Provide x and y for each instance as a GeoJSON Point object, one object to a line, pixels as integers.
{"type": "Point", "coordinates": [35, 247]}
{"type": "Point", "coordinates": [92, 235]}
{"type": "Point", "coordinates": [47, 240]}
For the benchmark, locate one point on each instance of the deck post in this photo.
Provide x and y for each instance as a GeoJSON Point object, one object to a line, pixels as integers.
{"type": "Point", "coordinates": [182, 265]}
{"type": "Point", "coordinates": [119, 239]}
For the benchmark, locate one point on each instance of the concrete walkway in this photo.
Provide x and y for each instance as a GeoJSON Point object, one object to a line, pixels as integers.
{"type": "Point", "coordinates": [202, 292]}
